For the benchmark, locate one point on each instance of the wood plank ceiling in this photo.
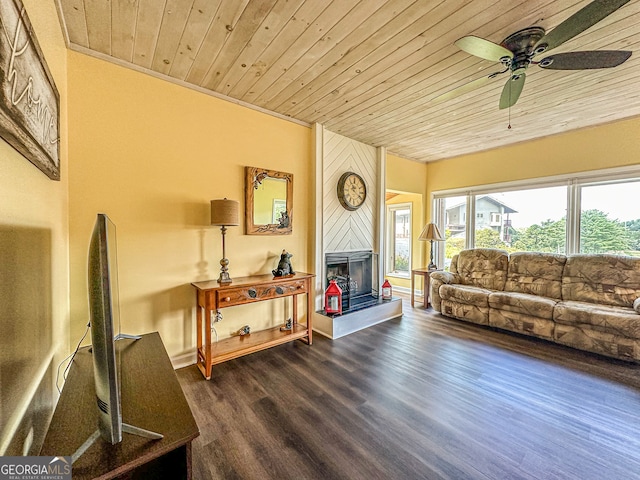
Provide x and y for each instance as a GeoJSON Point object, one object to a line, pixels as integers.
{"type": "Point", "coordinates": [368, 69]}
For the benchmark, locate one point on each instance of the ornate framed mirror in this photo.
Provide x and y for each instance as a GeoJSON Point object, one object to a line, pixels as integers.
{"type": "Point", "coordinates": [268, 202]}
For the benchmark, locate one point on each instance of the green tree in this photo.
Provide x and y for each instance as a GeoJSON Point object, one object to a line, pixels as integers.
{"type": "Point", "coordinates": [488, 238]}
{"type": "Point", "coordinates": [599, 234]}
{"type": "Point", "coordinates": [548, 236]}
{"type": "Point", "coordinates": [633, 230]}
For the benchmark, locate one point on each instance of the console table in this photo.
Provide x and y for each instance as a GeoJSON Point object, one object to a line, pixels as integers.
{"type": "Point", "coordinates": [211, 297]}
{"type": "Point", "coordinates": [151, 398]}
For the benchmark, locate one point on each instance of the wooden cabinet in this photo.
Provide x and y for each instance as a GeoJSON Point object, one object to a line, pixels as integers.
{"type": "Point", "coordinates": [151, 398]}
{"type": "Point", "coordinates": [211, 297]}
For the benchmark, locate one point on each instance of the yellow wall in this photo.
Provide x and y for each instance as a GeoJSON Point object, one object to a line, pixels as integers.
{"type": "Point", "coordinates": [606, 146]}
{"type": "Point", "coordinates": [151, 155]}
{"type": "Point", "coordinates": [34, 303]}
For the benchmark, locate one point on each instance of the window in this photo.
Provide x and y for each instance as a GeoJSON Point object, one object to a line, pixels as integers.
{"type": "Point", "coordinates": [591, 213]}
{"type": "Point", "coordinates": [399, 239]}
{"type": "Point", "coordinates": [610, 218]}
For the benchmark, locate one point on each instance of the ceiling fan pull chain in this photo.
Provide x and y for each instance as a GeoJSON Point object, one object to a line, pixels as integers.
{"type": "Point", "coordinates": [509, 126]}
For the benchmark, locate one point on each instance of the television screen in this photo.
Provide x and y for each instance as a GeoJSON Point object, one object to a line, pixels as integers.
{"type": "Point", "coordinates": [104, 314]}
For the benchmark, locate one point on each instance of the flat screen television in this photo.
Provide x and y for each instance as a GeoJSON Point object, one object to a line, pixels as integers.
{"type": "Point", "coordinates": [104, 311]}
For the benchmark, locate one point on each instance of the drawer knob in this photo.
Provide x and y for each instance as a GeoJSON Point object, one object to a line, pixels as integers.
{"type": "Point", "coordinates": [226, 299]}
{"type": "Point", "coordinates": [279, 290]}
{"type": "Point", "coordinates": [252, 292]}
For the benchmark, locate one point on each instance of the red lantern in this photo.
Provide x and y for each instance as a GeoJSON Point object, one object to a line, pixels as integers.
{"type": "Point", "coordinates": [386, 290]}
{"type": "Point", "coordinates": [333, 298]}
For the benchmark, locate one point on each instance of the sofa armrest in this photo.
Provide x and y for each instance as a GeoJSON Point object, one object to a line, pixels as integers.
{"type": "Point", "coordinates": [445, 277]}
{"type": "Point", "coordinates": [437, 280]}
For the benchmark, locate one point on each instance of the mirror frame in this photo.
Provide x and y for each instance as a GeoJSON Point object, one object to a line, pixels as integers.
{"type": "Point", "coordinates": [253, 178]}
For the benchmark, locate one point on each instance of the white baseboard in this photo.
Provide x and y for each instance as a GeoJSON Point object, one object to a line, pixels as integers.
{"type": "Point", "coordinates": [183, 360]}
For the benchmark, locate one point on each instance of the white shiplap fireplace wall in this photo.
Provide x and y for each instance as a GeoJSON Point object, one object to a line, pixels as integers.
{"type": "Point", "coordinates": [336, 229]}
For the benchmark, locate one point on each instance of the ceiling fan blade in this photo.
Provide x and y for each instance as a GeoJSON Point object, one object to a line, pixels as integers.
{"type": "Point", "coordinates": [585, 60]}
{"type": "Point", "coordinates": [579, 22]}
{"type": "Point", "coordinates": [512, 90]}
{"type": "Point", "coordinates": [483, 48]}
{"type": "Point", "coordinates": [467, 87]}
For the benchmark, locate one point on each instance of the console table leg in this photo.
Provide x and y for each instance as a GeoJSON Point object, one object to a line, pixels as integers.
{"type": "Point", "coordinates": [413, 279]}
{"type": "Point", "coordinates": [309, 312]}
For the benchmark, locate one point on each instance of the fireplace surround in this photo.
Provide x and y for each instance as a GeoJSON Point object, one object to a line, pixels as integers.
{"type": "Point", "coordinates": [356, 273]}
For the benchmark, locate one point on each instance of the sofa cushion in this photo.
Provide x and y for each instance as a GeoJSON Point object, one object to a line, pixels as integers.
{"type": "Point", "coordinates": [602, 279]}
{"type": "Point", "coordinates": [465, 294]}
{"type": "Point", "coordinates": [483, 267]}
{"type": "Point", "coordinates": [622, 321]}
{"type": "Point", "coordinates": [536, 273]}
{"type": "Point", "coordinates": [523, 303]}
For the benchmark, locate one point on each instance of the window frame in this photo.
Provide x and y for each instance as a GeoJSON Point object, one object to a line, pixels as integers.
{"type": "Point", "coordinates": [390, 238]}
{"type": "Point", "coordinates": [573, 182]}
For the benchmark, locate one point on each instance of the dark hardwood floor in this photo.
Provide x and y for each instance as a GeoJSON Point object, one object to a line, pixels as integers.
{"type": "Point", "coordinates": [422, 397]}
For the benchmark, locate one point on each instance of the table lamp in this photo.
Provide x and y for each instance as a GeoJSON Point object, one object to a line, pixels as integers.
{"type": "Point", "coordinates": [431, 233]}
{"type": "Point", "coordinates": [225, 214]}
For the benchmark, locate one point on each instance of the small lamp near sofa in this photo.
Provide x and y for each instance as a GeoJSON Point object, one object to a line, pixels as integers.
{"type": "Point", "coordinates": [224, 213]}
{"type": "Point", "coordinates": [432, 233]}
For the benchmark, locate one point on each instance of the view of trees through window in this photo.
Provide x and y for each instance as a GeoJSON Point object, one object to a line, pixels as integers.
{"type": "Point", "coordinates": [610, 219]}
{"type": "Point", "coordinates": [535, 220]}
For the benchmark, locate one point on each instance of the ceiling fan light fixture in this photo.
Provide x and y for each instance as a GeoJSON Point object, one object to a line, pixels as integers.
{"type": "Point", "coordinates": [540, 48]}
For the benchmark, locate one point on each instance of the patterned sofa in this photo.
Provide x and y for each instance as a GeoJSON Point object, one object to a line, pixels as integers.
{"type": "Point", "coordinates": [589, 302]}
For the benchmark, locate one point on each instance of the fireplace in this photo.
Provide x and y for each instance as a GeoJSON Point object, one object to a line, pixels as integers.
{"type": "Point", "coordinates": [356, 273]}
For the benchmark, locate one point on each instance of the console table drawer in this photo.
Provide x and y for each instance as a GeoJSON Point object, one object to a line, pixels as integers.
{"type": "Point", "coordinates": [241, 295]}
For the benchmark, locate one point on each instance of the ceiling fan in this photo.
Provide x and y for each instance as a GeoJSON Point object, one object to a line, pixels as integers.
{"type": "Point", "coordinates": [518, 50]}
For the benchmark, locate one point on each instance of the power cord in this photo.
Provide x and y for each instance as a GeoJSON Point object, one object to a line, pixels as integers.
{"type": "Point", "coordinates": [70, 358]}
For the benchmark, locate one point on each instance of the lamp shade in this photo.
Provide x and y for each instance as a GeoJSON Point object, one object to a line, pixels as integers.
{"type": "Point", "coordinates": [431, 232]}
{"type": "Point", "coordinates": [224, 212]}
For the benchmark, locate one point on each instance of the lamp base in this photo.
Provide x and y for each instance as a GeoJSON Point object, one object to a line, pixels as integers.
{"type": "Point", "coordinates": [224, 278]}
{"type": "Point", "coordinates": [432, 266]}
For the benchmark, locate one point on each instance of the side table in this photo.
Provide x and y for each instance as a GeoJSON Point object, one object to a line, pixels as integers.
{"type": "Point", "coordinates": [424, 273]}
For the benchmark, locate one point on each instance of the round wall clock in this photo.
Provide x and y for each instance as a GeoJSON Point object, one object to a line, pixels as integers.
{"type": "Point", "coordinates": [352, 191]}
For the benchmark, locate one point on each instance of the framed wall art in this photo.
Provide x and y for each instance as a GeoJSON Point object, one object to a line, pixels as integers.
{"type": "Point", "coordinates": [29, 99]}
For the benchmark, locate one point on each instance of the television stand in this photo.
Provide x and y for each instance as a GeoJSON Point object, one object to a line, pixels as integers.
{"type": "Point", "coordinates": [126, 428]}
{"type": "Point", "coordinates": [151, 397]}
